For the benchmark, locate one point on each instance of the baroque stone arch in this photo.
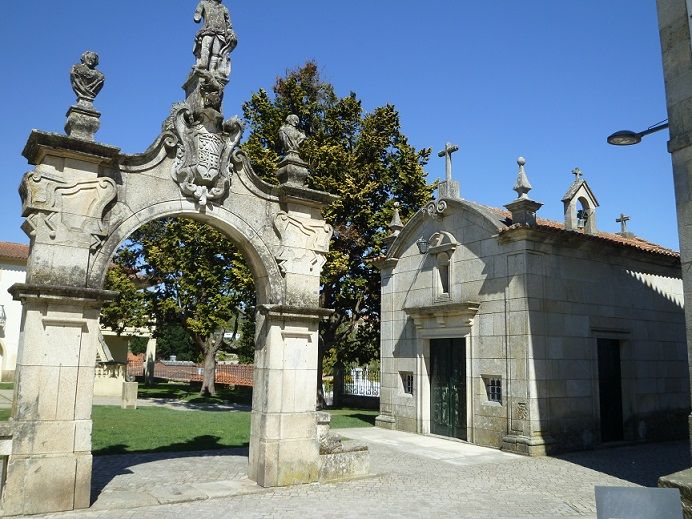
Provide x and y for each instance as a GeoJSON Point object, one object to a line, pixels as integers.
{"type": "Point", "coordinates": [256, 252]}
{"type": "Point", "coordinates": [81, 201]}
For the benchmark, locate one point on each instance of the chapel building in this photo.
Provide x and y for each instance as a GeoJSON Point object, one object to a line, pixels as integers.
{"type": "Point", "coordinates": [511, 331]}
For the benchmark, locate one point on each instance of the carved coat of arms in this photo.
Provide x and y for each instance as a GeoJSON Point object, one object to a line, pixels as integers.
{"type": "Point", "coordinates": [204, 148]}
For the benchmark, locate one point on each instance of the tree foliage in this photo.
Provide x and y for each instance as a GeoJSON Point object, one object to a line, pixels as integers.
{"type": "Point", "coordinates": [195, 280]}
{"type": "Point", "coordinates": [365, 159]}
{"type": "Point", "coordinates": [196, 277]}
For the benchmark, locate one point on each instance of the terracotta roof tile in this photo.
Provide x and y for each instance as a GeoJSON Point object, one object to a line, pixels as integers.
{"type": "Point", "coordinates": [615, 239]}
{"type": "Point", "coordinates": [14, 250]}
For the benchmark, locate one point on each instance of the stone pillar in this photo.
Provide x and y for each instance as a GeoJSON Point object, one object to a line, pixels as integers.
{"type": "Point", "coordinates": [674, 26]}
{"type": "Point", "coordinates": [49, 468]}
{"type": "Point", "coordinates": [674, 29]}
{"type": "Point", "coordinates": [283, 446]}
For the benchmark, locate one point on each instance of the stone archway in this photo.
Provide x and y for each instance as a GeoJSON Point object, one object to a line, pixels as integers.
{"type": "Point", "coordinates": [81, 201]}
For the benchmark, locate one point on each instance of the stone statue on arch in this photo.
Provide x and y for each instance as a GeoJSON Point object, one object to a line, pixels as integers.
{"type": "Point", "coordinates": [215, 40]}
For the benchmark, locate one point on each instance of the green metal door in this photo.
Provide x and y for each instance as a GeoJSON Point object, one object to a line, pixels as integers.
{"type": "Point", "coordinates": [448, 387]}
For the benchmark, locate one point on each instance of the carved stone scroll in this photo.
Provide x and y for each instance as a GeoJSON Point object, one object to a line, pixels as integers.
{"type": "Point", "coordinates": [66, 211]}
{"type": "Point", "coordinates": [436, 210]}
{"type": "Point", "coordinates": [304, 244]}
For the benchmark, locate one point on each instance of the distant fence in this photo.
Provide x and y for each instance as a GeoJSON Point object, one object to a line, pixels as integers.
{"type": "Point", "coordinates": [361, 382]}
{"type": "Point", "coordinates": [231, 374]}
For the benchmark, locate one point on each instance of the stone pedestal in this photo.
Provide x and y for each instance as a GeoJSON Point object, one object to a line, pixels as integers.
{"type": "Point", "coordinates": [129, 397]}
{"type": "Point", "coordinates": [293, 170]}
{"type": "Point", "coordinates": [197, 77]}
{"type": "Point", "coordinates": [283, 443]}
{"type": "Point", "coordinates": [49, 466]}
{"type": "Point", "coordinates": [83, 121]}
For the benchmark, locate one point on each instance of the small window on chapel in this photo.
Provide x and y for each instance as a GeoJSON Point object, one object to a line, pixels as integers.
{"type": "Point", "coordinates": [443, 271]}
{"type": "Point", "coordinates": [407, 381]}
{"type": "Point", "coordinates": [493, 389]}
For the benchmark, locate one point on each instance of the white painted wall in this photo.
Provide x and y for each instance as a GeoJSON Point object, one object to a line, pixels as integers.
{"type": "Point", "coordinates": [10, 273]}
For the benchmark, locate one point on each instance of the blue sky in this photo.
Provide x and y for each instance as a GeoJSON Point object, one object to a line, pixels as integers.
{"type": "Point", "coordinates": [541, 78]}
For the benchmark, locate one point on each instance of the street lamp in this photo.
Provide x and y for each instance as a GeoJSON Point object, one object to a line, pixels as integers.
{"type": "Point", "coordinates": [628, 137]}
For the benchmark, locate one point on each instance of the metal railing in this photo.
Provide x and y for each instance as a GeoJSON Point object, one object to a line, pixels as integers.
{"type": "Point", "coordinates": [231, 374]}
{"type": "Point", "coordinates": [361, 382]}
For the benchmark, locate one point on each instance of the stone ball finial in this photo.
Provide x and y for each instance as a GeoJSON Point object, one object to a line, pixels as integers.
{"type": "Point", "coordinates": [523, 186]}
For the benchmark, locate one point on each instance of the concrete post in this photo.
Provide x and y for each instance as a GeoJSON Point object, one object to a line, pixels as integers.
{"type": "Point", "coordinates": [49, 468]}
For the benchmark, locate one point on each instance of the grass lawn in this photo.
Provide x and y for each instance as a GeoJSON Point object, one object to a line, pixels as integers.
{"type": "Point", "coordinates": [190, 393]}
{"type": "Point", "coordinates": [5, 414]}
{"type": "Point", "coordinates": [157, 429]}
{"type": "Point", "coordinates": [351, 418]}
{"type": "Point", "coordinates": [6, 385]}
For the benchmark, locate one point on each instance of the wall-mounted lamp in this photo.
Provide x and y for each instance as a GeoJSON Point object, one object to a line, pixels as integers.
{"type": "Point", "coordinates": [422, 245]}
{"type": "Point", "coordinates": [3, 317]}
{"type": "Point", "coordinates": [628, 137]}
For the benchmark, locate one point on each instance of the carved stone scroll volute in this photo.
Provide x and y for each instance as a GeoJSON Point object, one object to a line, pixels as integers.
{"type": "Point", "coordinates": [304, 244]}
{"type": "Point", "coordinates": [66, 212]}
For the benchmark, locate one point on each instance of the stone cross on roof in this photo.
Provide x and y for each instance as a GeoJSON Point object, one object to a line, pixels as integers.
{"type": "Point", "coordinates": [449, 188]}
{"type": "Point", "coordinates": [447, 153]}
{"type": "Point", "coordinates": [577, 174]}
{"type": "Point", "coordinates": [623, 223]}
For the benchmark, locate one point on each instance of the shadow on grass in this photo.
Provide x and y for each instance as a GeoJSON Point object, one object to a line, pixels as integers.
{"type": "Point", "coordinates": [199, 443]}
{"type": "Point", "coordinates": [191, 393]}
{"type": "Point", "coordinates": [366, 418]}
{"type": "Point", "coordinates": [119, 460]}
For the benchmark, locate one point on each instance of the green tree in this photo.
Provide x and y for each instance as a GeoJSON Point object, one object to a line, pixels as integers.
{"type": "Point", "coordinates": [195, 278]}
{"type": "Point", "coordinates": [365, 159]}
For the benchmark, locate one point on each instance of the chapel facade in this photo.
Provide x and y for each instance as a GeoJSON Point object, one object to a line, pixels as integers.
{"type": "Point", "coordinates": [510, 331]}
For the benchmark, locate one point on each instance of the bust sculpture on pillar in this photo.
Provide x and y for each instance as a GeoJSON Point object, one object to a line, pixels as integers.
{"type": "Point", "coordinates": [87, 82]}
{"type": "Point", "coordinates": [292, 169]}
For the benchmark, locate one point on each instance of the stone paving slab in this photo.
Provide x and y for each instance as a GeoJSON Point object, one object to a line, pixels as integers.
{"type": "Point", "coordinates": [414, 476]}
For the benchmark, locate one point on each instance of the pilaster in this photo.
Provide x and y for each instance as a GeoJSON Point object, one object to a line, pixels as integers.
{"type": "Point", "coordinates": [283, 446]}
{"type": "Point", "coordinates": [49, 467]}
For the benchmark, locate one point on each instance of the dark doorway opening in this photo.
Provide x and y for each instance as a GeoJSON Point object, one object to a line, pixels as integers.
{"type": "Point", "coordinates": [610, 390]}
{"type": "Point", "coordinates": [448, 387]}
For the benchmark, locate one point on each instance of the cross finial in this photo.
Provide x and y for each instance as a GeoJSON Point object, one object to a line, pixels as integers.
{"type": "Point", "coordinates": [623, 222]}
{"type": "Point", "coordinates": [577, 174]}
{"type": "Point", "coordinates": [447, 153]}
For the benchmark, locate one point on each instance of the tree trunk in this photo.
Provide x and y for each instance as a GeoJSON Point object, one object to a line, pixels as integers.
{"type": "Point", "coordinates": [321, 350]}
{"type": "Point", "coordinates": [209, 376]}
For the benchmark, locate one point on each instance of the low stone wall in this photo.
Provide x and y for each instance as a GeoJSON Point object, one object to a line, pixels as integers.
{"type": "Point", "coordinates": [348, 464]}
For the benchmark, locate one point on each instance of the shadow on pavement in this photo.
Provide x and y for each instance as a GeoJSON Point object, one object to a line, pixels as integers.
{"type": "Point", "coordinates": [642, 464]}
{"type": "Point", "coordinates": [108, 467]}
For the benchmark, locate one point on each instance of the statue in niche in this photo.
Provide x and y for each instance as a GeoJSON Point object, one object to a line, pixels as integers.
{"type": "Point", "coordinates": [216, 39]}
{"type": "Point", "coordinates": [291, 136]}
{"type": "Point", "coordinates": [86, 81]}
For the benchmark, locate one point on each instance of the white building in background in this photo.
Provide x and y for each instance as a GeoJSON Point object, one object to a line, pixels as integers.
{"type": "Point", "coordinates": [112, 353]}
{"type": "Point", "coordinates": [13, 258]}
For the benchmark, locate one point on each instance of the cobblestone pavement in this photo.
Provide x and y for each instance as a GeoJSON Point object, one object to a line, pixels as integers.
{"type": "Point", "coordinates": [413, 476]}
